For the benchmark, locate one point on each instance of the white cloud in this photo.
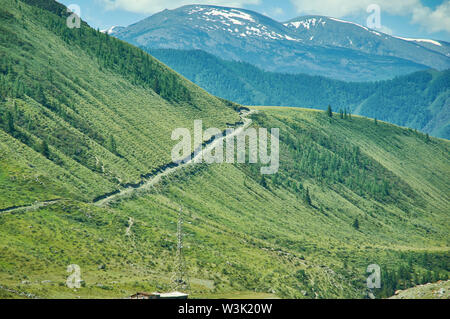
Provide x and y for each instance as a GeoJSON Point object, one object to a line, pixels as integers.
{"type": "Point", "coordinates": [278, 11]}
{"type": "Point", "coordinates": [153, 6]}
{"type": "Point", "coordinates": [431, 20]}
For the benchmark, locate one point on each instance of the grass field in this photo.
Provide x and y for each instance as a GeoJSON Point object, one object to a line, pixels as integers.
{"type": "Point", "coordinates": [439, 290]}
{"type": "Point", "coordinates": [240, 235]}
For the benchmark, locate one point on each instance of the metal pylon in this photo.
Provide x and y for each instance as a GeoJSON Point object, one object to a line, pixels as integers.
{"type": "Point", "coordinates": [181, 279]}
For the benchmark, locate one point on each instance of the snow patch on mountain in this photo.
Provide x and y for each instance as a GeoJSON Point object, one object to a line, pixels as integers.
{"type": "Point", "coordinates": [110, 30]}
{"type": "Point", "coordinates": [307, 24]}
{"type": "Point", "coordinates": [236, 22]}
{"type": "Point", "coordinates": [225, 16]}
{"type": "Point", "coordinates": [420, 40]}
{"type": "Point", "coordinates": [343, 21]}
{"type": "Point", "coordinates": [230, 15]}
{"type": "Point", "coordinates": [289, 38]}
{"type": "Point", "coordinates": [196, 10]}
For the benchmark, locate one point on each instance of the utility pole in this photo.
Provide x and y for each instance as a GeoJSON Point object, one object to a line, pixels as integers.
{"type": "Point", "coordinates": [181, 279]}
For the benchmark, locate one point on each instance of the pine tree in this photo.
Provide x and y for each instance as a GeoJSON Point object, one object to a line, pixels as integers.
{"type": "Point", "coordinates": [329, 111]}
{"type": "Point", "coordinates": [10, 121]}
{"type": "Point", "coordinates": [376, 121]}
{"type": "Point", "coordinates": [112, 144]}
{"type": "Point", "coordinates": [345, 113]}
{"type": "Point", "coordinates": [341, 114]}
{"type": "Point", "coordinates": [356, 223]}
{"type": "Point", "coordinates": [44, 149]}
{"type": "Point", "coordinates": [263, 182]}
{"type": "Point", "coordinates": [308, 197]}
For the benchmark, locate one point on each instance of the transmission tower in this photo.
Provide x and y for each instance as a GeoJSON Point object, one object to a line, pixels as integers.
{"type": "Point", "coordinates": [181, 279]}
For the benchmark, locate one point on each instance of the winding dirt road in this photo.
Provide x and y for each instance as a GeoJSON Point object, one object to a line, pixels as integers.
{"type": "Point", "coordinates": [34, 206]}
{"type": "Point", "coordinates": [149, 182]}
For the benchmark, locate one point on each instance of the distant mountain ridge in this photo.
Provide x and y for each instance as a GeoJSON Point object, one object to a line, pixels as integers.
{"type": "Point", "coordinates": [420, 100]}
{"type": "Point", "coordinates": [313, 45]}
{"type": "Point", "coordinates": [319, 30]}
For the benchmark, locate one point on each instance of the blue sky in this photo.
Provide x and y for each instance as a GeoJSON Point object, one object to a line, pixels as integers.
{"type": "Point", "coordinates": [406, 18]}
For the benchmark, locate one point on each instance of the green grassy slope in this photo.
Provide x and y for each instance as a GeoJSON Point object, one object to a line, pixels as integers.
{"type": "Point", "coordinates": [244, 236]}
{"type": "Point", "coordinates": [438, 290]}
{"type": "Point", "coordinates": [292, 234]}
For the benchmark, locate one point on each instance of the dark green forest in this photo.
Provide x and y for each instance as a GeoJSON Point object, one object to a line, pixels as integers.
{"type": "Point", "coordinates": [110, 53]}
{"type": "Point", "coordinates": [419, 100]}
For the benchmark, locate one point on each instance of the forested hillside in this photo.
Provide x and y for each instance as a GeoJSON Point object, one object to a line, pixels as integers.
{"type": "Point", "coordinates": [83, 115]}
{"type": "Point", "coordinates": [420, 100]}
{"type": "Point", "coordinates": [99, 109]}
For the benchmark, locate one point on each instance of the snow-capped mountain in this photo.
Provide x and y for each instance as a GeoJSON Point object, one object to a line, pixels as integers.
{"type": "Point", "coordinates": [313, 44]}
{"type": "Point", "coordinates": [319, 30]}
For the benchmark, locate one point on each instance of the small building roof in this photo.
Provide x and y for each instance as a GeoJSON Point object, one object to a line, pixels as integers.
{"type": "Point", "coordinates": [173, 294]}
{"type": "Point", "coordinates": [166, 295]}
